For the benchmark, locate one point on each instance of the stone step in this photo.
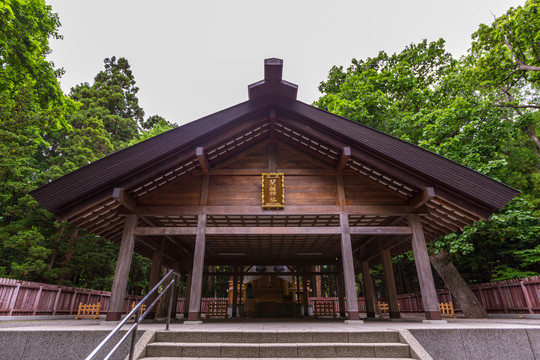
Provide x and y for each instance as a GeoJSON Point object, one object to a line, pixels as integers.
{"type": "Point", "coordinates": [209, 358]}
{"type": "Point", "coordinates": [278, 350]}
{"type": "Point", "coordinates": [278, 337]}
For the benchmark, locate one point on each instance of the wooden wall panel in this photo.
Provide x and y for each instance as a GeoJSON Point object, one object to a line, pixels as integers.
{"type": "Point", "coordinates": [287, 159]}
{"type": "Point", "coordinates": [235, 190]}
{"type": "Point", "coordinates": [359, 191]}
{"type": "Point", "coordinates": [186, 191]}
{"type": "Point", "coordinates": [257, 160]}
{"type": "Point", "coordinates": [310, 190]}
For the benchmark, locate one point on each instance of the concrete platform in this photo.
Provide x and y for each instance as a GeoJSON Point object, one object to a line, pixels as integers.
{"type": "Point", "coordinates": [500, 338]}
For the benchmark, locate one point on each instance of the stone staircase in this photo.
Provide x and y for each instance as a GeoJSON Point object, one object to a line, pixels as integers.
{"type": "Point", "coordinates": [277, 345]}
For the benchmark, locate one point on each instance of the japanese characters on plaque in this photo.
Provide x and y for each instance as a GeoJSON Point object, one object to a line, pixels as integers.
{"type": "Point", "coordinates": [273, 190]}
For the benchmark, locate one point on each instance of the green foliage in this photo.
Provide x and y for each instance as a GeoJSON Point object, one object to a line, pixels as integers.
{"type": "Point", "coordinates": [44, 135]}
{"type": "Point", "coordinates": [424, 96]}
{"type": "Point", "coordinates": [508, 55]}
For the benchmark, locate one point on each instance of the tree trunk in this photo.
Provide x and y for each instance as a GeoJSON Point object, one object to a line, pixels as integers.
{"type": "Point", "coordinates": [470, 306]}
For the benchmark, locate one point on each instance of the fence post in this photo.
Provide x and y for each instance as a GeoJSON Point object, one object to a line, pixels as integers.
{"type": "Point", "coordinates": [527, 298]}
{"type": "Point", "coordinates": [14, 298]}
{"type": "Point", "coordinates": [56, 301]}
{"type": "Point", "coordinates": [503, 299]}
{"type": "Point", "coordinates": [72, 307]}
{"type": "Point", "coordinates": [36, 301]}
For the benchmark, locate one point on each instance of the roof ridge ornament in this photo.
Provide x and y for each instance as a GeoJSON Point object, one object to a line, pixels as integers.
{"type": "Point", "coordinates": [273, 82]}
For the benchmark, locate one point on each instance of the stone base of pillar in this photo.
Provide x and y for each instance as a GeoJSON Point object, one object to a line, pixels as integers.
{"type": "Point", "coordinates": [371, 314]}
{"type": "Point", "coordinates": [193, 316]}
{"type": "Point", "coordinates": [395, 315]}
{"type": "Point", "coordinates": [433, 315]}
{"type": "Point", "coordinates": [187, 322]}
{"type": "Point", "coordinates": [354, 322]}
{"type": "Point", "coordinates": [113, 316]}
{"type": "Point", "coordinates": [434, 322]}
{"type": "Point", "coordinates": [354, 315]}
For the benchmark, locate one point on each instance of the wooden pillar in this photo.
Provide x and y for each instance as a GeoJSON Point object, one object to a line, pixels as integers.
{"type": "Point", "coordinates": [348, 268]}
{"type": "Point", "coordinates": [235, 292]}
{"type": "Point", "coordinates": [305, 292]}
{"type": "Point", "coordinates": [318, 281]}
{"type": "Point", "coordinates": [155, 276]}
{"type": "Point", "coordinates": [423, 268]}
{"type": "Point", "coordinates": [188, 293]}
{"type": "Point", "coordinates": [390, 282]}
{"type": "Point", "coordinates": [176, 288]}
{"type": "Point", "coordinates": [198, 267]}
{"type": "Point", "coordinates": [370, 296]}
{"type": "Point", "coordinates": [116, 303]}
{"type": "Point", "coordinates": [340, 290]}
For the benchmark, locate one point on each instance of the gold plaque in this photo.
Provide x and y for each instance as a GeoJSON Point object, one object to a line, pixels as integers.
{"type": "Point", "coordinates": [273, 191]}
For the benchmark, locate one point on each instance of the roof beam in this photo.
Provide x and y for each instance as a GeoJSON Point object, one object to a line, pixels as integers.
{"type": "Point", "coordinates": [386, 210]}
{"type": "Point", "coordinates": [203, 161]}
{"type": "Point", "coordinates": [422, 198]}
{"type": "Point", "coordinates": [274, 230]}
{"type": "Point", "coordinates": [344, 157]}
{"type": "Point", "coordinates": [124, 199]}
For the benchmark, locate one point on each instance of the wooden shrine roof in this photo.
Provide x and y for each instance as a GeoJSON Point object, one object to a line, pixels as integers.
{"type": "Point", "coordinates": [449, 194]}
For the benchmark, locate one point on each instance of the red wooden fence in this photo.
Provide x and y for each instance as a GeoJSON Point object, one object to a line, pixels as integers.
{"type": "Point", "coordinates": [517, 296]}
{"type": "Point", "coordinates": [29, 298]}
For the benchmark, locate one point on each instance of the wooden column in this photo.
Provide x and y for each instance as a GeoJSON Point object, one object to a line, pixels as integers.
{"type": "Point", "coordinates": [390, 282]}
{"type": "Point", "coordinates": [174, 311]}
{"type": "Point", "coordinates": [188, 293]}
{"type": "Point", "coordinates": [340, 290]}
{"type": "Point", "coordinates": [198, 267]}
{"type": "Point", "coordinates": [370, 296]}
{"type": "Point", "coordinates": [305, 292]}
{"type": "Point", "coordinates": [155, 276]}
{"type": "Point", "coordinates": [121, 274]}
{"type": "Point", "coordinates": [423, 268]}
{"type": "Point", "coordinates": [318, 281]}
{"type": "Point", "coordinates": [348, 268]}
{"type": "Point", "coordinates": [235, 292]}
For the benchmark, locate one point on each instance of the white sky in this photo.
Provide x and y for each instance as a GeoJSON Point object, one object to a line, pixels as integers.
{"type": "Point", "coordinates": [193, 58]}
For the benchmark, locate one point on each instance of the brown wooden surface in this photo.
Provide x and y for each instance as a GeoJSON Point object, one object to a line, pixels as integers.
{"type": "Point", "coordinates": [197, 275]}
{"type": "Point", "coordinates": [390, 284]}
{"type": "Point", "coordinates": [121, 273]}
{"type": "Point", "coordinates": [423, 269]}
{"type": "Point", "coordinates": [348, 267]}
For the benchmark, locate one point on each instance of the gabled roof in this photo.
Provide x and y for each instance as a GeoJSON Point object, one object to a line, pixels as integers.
{"type": "Point", "coordinates": [104, 173]}
{"type": "Point", "coordinates": [461, 194]}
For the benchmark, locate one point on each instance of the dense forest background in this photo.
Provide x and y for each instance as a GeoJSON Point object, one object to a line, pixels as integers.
{"type": "Point", "coordinates": [480, 110]}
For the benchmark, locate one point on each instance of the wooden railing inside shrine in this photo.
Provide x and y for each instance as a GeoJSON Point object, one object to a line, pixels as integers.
{"type": "Point", "coordinates": [518, 296]}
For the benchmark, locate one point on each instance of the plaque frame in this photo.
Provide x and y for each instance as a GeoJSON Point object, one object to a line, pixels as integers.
{"type": "Point", "coordinates": [273, 190]}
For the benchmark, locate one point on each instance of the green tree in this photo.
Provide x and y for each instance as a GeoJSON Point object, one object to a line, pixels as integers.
{"type": "Point", "coordinates": [507, 57]}
{"type": "Point", "coordinates": [424, 96]}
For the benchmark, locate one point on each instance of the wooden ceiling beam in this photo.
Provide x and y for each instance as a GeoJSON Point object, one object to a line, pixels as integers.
{"type": "Point", "coordinates": [201, 158]}
{"type": "Point", "coordinates": [343, 158]}
{"type": "Point", "coordinates": [274, 230]}
{"type": "Point", "coordinates": [422, 198]}
{"type": "Point", "coordinates": [323, 210]}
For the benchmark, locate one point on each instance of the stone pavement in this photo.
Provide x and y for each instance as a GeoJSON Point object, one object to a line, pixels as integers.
{"type": "Point", "coordinates": [500, 338]}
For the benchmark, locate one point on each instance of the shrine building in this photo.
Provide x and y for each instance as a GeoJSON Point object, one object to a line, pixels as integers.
{"type": "Point", "coordinates": [277, 184]}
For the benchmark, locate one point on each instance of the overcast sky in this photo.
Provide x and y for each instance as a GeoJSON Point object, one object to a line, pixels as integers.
{"type": "Point", "coordinates": [193, 58]}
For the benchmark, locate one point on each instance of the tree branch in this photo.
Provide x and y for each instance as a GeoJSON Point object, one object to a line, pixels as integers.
{"type": "Point", "coordinates": [521, 63]}
{"type": "Point", "coordinates": [528, 106]}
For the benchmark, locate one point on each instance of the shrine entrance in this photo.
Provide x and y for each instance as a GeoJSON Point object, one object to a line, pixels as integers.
{"type": "Point", "coordinates": [276, 292]}
{"type": "Point", "coordinates": [274, 182]}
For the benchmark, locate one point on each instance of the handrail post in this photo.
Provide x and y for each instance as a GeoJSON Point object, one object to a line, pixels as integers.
{"type": "Point", "coordinates": [169, 308]}
{"type": "Point", "coordinates": [134, 335]}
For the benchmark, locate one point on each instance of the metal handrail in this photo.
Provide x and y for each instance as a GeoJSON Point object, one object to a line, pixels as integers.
{"type": "Point", "coordinates": [136, 312]}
